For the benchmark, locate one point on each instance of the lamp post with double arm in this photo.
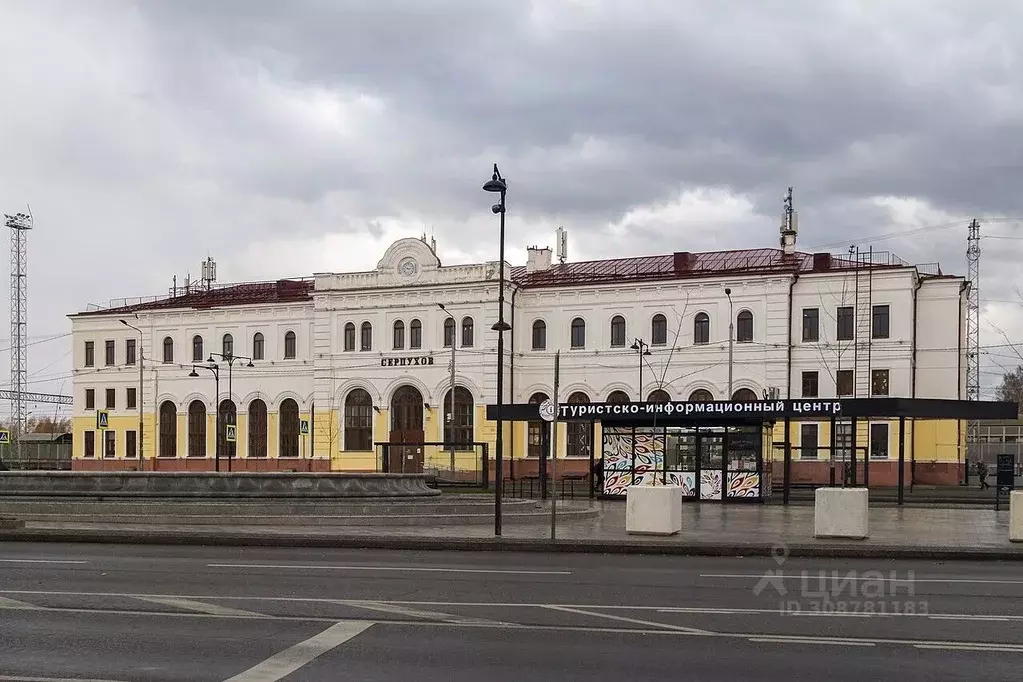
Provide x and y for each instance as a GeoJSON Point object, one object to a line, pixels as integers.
{"type": "Point", "coordinates": [141, 386]}
{"type": "Point", "coordinates": [230, 359]}
{"type": "Point", "coordinates": [642, 349]}
{"type": "Point", "coordinates": [216, 406]}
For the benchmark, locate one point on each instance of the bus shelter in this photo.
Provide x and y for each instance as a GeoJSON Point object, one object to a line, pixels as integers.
{"type": "Point", "coordinates": [716, 450]}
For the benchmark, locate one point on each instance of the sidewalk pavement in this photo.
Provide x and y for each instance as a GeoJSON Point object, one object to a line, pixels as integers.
{"type": "Point", "coordinates": [707, 530]}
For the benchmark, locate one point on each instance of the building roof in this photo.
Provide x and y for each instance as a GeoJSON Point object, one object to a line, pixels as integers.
{"type": "Point", "coordinates": [678, 265]}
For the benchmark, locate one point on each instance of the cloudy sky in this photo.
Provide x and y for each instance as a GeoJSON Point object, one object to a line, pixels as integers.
{"type": "Point", "coordinates": [285, 138]}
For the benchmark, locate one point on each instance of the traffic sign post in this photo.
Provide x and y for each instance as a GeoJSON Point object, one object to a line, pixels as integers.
{"type": "Point", "coordinates": [303, 429]}
{"type": "Point", "coordinates": [102, 419]}
{"type": "Point", "coordinates": [5, 437]}
{"type": "Point", "coordinates": [230, 435]}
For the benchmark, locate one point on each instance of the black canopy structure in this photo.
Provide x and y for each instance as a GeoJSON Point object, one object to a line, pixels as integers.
{"type": "Point", "coordinates": [745, 416]}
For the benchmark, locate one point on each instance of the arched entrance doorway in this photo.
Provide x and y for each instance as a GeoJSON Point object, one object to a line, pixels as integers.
{"type": "Point", "coordinates": [405, 452]}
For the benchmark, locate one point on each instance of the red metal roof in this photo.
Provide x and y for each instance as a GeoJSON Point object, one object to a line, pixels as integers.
{"type": "Point", "coordinates": [281, 291]}
{"type": "Point", "coordinates": [685, 264]}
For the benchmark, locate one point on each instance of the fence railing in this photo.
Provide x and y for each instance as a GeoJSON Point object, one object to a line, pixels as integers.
{"type": "Point", "coordinates": [463, 464]}
{"type": "Point", "coordinates": [36, 456]}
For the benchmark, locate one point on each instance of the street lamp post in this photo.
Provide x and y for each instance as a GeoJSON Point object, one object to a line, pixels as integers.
{"type": "Point", "coordinates": [141, 386]}
{"type": "Point", "coordinates": [216, 406]}
{"type": "Point", "coordinates": [731, 340]}
{"type": "Point", "coordinates": [452, 402]}
{"type": "Point", "coordinates": [498, 184]}
{"type": "Point", "coordinates": [229, 359]}
{"type": "Point", "coordinates": [642, 348]}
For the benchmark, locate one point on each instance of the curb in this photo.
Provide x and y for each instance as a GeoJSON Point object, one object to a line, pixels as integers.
{"type": "Point", "coordinates": [850, 550]}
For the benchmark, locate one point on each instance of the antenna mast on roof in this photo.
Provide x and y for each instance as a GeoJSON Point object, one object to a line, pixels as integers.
{"type": "Point", "coordinates": [789, 225]}
{"type": "Point", "coordinates": [209, 273]}
{"type": "Point", "coordinates": [562, 244]}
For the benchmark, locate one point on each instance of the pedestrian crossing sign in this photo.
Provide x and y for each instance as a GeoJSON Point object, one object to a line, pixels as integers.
{"type": "Point", "coordinates": [231, 435]}
{"type": "Point", "coordinates": [304, 427]}
{"type": "Point", "coordinates": [5, 437]}
{"type": "Point", "coordinates": [102, 419]}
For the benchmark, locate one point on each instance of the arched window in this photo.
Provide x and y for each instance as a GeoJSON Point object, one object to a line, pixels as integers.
{"type": "Point", "coordinates": [539, 335]}
{"type": "Point", "coordinates": [197, 429]}
{"type": "Point", "coordinates": [659, 396]}
{"type": "Point", "coordinates": [366, 337]}
{"type": "Point", "coordinates": [744, 327]}
{"type": "Point", "coordinates": [458, 429]}
{"type": "Point", "coordinates": [659, 330]}
{"type": "Point", "coordinates": [257, 346]}
{"type": "Point", "coordinates": [227, 346]}
{"type": "Point", "coordinates": [228, 415]}
{"type": "Point", "coordinates": [617, 331]}
{"type": "Point", "coordinates": [415, 334]}
{"type": "Point", "coordinates": [197, 354]}
{"type": "Point", "coordinates": [290, 346]}
{"type": "Point", "coordinates": [701, 328]}
{"type": "Point", "coordinates": [578, 339]}
{"type": "Point", "coordinates": [578, 433]}
{"type": "Point", "coordinates": [700, 395]}
{"type": "Point", "coordinates": [744, 394]}
{"type": "Point", "coordinates": [449, 333]}
{"type": "Point", "coordinates": [349, 336]}
{"type": "Point", "coordinates": [618, 397]}
{"type": "Point", "coordinates": [359, 421]}
{"type": "Point", "coordinates": [399, 335]}
{"type": "Point", "coordinates": [467, 332]}
{"type": "Point", "coordinates": [168, 349]}
{"type": "Point", "coordinates": [168, 430]}
{"type": "Point", "coordinates": [288, 414]}
{"type": "Point", "coordinates": [535, 430]}
{"type": "Point", "coordinates": [257, 428]}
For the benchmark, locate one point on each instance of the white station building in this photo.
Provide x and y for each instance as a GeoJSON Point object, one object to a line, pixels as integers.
{"type": "Point", "coordinates": [326, 370]}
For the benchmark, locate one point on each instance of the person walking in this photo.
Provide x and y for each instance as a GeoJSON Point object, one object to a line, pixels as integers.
{"type": "Point", "coordinates": [982, 475]}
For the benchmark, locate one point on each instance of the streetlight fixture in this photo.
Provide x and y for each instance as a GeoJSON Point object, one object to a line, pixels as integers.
{"type": "Point", "coordinates": [452, 408]}
{"type": "Point", "coordinates": [642, 348]}
{"type": "Point", "coordinates": [216, 402]}
{"type": "Point", "coordinates": [139, 400]}
{"type": "Point", "coordinates": [731, 340]}
{"type": "Point", "coordinates": [229, 358]}
{"type": "Point", "coordinates": [498, 185]}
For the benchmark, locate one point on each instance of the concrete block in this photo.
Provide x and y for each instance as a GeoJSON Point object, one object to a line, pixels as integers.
{"type": "Point", "coordinates": [653, 509]}
{"type": "Point", "coordinates": [1016, 516]}
{"type": "Point", "coordinates": [840, 513]}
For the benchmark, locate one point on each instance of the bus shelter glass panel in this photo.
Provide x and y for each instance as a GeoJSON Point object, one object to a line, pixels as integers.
{"type": "Point", "coordinates": [742, 475]}
{"type": "Point", "coordinates": [680, 459]}
{"type": "Point", "coordinates": [648, 456]}
{"type": "Point", "coordinates": [711, 446]}
{"type": "Point", "coordinates": [617, 459]}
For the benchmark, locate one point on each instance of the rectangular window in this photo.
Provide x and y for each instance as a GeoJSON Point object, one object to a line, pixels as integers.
{"type": "Point", "coordinates": [90, 443]}
{"type": "Point", "coordinates": [810, 385]}
{"type": "Point", "coordinates": [880, 322]}
{"type": "Point", "coordinates": [844, 382]}
{"type": "Point", "coordinates": [539, 335]}
{"type": "Point", "coordinates": [366, 334]}
{"type": "Point", "coordinates": [846, 323]}
{"type": "Point", "coordinates": [109, 444]}
{"type": "Point", "coordinates": [879, 441]}
{"type": "Point", "coordinates": [809, 434]}
{"type": "Point", "coordinates": [879, 382]}
{"type": "Point", "coordinates": [415, 334]}
{"type": "Point", "coordinates": [109, 353]}
{"type": "Point", "coordinates": [129, 352]}
{"type": "Point", "coordinates": [843, 441]}
{"type": "Point", "coordinates": [130, 446]}
{"type": "Point", "coordinates": [90, 353]}
{"type": "Point", "coordinates": [811, 325]}
{"type": "Point", "coordinates": [90, 398]}
{"type": "Point", "coordinates": [111, 398]}
{"type": "Point", "coordinates": [131, 399]}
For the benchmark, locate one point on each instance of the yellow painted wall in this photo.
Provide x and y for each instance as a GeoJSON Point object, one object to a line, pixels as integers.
{"type": "Point", "coordinates": [936, 440]}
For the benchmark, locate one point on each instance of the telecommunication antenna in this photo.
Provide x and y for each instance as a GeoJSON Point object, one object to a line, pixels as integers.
{"type": "Point", "coordinates": [562, 244]}
{"type": "Point", "coordinates": [20, 224]}
{"type": "Point", "coordinates": [209, 273]}
{"type": "Point", "coordinates": [973, 329]}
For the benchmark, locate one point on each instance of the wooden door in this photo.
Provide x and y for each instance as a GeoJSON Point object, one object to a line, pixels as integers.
{"type": "Point", "coordinates": [405, 454]}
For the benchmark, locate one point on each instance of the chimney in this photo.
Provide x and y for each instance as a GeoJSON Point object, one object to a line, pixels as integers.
{"type": "Point", "coordinates": [538, 258]}
{"type": "Point", "coordinates": [684, 261]}
{"type": "Point", "coordinates": [821, 262]}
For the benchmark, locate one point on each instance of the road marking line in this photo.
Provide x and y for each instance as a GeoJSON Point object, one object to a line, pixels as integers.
{"type": "Point", "coordinates": [679, 628]}
{"type": "Point", "coordinates": [39, 561]}
{"type": "Point", "coordinates": [808, 640]}
{"type": "Point", "coordinates": [823, 576]}
{"type": "Point", "coordinates": [10, 678]}
{"type": "Point", "coordinates": [400, 610]}
{"type": "Point", "coordinates": [200, 607]}
{"type": "Point", "coordinates": [953, 616]}
{"type": "Point", "coordinates": [284, 663]}
{"type": "Point", "coordinates": [1002, 648]}
{"type": "Point", "coordinates": [387, 568]}
{"type": "Point", "coordinates": [6, 603]}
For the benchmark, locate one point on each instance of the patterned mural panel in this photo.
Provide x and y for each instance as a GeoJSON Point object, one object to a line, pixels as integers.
{"type": "Point", "coordinates": [743, 484]}
{"type": "Point", "coordinates": [616, 481]}
{"type": "Point", "coordinates": [649, 449]}
{"type": "Point", "coordinates": [686, 479]}
{"type": "Point", "coordinates": [710, 485]}
{"type": "Point", "coordinates": [617, 450]}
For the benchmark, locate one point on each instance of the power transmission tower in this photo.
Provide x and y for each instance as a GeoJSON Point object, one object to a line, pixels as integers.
{"type": "Point", "coordinates": [20, 224]}
{"type": "Point", "coordinates": [973, 330]}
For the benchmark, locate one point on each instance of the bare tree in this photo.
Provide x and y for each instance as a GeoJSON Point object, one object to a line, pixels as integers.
{"type": "Point", "coordinates": [831, 356]}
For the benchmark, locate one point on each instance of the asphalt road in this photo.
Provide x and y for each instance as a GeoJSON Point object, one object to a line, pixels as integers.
{"type": "Point", "coordinates": [90, 612]}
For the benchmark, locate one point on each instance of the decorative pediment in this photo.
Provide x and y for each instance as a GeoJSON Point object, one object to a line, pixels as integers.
{"type": "Point", "coordinates": [407, 259]}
